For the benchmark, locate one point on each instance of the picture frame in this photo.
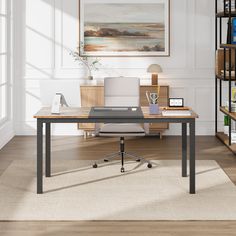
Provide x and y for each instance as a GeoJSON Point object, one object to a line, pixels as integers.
{"type": "Point", "coordinates": [126, 28]}
{"type": "Point", "coordinates": [176, 102]}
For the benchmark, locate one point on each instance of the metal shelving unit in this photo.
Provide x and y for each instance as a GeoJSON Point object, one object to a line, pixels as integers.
{"type": "Point", "coordinates": [219, 79]}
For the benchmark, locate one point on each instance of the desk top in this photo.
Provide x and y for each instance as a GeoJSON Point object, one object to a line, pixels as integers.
{"type": "Point", "coordinates": [83, 113]}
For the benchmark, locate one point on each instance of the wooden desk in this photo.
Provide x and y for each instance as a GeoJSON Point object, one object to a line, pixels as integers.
{"type": "Point", "coordinates": [93, 95]}
{"type": "Point", "coordinates": [81, 115]}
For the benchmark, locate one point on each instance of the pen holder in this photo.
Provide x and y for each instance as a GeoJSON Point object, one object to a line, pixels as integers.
{"type": "Point", "coordinates": [154, 109]}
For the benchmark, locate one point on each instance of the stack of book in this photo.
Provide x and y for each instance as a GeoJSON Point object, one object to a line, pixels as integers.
{"type": "Point", "coordinates": [233, 106]}
{"type": "Point", "coordinates": [233, 137]}
{"type": "Point", "coordinates": [176, 113]}
{"type": "Point", "coordinates": [227, 73]}
{"type": "Point", "coordinates": [227, 3]}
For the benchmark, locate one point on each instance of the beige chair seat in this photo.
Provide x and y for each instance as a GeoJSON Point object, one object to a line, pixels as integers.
{"type": "Point", "coordinates": [121, 130]}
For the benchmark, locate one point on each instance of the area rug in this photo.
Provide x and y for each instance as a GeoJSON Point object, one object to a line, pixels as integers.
{"type": "Point", "coordinates": [76, 191]}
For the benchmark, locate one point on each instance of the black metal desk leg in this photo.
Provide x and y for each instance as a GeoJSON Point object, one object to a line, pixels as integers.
{"type": "Point", "coordinates": [192, 156]}
{"type": "Point", "coordinates": [184, 150]}
{"type": "Point", "coordinates": [39, 156]}
{"type": "Point", "coordinates": [48, 150]}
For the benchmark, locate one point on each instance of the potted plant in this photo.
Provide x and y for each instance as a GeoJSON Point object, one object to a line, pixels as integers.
{"type": "Point", "coordinates": [91, 64]}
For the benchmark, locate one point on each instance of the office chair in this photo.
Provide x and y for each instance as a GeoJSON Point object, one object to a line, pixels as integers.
{"type": "Point", "coordinates": [122, 91]}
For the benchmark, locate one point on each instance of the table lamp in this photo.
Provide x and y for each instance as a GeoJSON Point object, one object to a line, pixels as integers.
{"type": "Point", "coordinates": [154, 69]}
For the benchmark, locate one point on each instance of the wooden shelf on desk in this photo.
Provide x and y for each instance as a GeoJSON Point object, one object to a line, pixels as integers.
{"type": "Point", "coordinates": [225, 140]}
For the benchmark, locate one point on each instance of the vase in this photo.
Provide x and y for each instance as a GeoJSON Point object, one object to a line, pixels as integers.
{"type": "Point", "coordinates": [226, 130]}
{"type": "Point", "coordinates": [90, 77]}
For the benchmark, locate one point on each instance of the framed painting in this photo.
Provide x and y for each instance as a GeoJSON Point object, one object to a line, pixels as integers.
{"type": "Point", "coordinates": [124, 27]}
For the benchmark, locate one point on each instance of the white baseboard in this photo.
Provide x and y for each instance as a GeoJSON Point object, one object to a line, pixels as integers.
{"type": "Point", "coordinates": [6, 133]}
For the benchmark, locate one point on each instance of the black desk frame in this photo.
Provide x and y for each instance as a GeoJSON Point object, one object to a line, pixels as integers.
{"type": "Point", "coordinates": [48, 121]}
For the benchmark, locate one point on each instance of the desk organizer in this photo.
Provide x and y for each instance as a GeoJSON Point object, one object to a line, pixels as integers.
{"type": "Point", "coordinates": [154, 109]}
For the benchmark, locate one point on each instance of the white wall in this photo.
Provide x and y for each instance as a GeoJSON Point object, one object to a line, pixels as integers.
{"type": "Point", "coordinates": [47, 28]}
{"type": "Point", "coordinates": [6, 125]}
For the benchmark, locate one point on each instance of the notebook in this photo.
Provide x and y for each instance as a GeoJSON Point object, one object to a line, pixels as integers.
{"type": "Point", "coordinates": [176, 113]}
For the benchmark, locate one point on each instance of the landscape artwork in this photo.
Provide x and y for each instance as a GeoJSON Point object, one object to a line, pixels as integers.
{"type": "Point", "coordinates": [124, 28]}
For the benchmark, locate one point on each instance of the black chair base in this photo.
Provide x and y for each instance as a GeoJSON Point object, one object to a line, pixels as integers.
{"type": "Point", "coordinates": [122, 154]}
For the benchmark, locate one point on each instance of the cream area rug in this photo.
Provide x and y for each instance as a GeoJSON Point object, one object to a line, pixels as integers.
{"type": "Point", "coordinates": [78, 192]}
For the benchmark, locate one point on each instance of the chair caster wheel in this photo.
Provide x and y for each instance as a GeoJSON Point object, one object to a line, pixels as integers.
{"type": "Point", "coordinates": [138, 160]}
{"type": "Point", "coordinates": [149, 165]}
{"type": "Point", "coordinates": [95, 165]}
{"type": "Point", "coordinates": [122, 170]}
{"type": "Point", "coordinates": [105, 160]}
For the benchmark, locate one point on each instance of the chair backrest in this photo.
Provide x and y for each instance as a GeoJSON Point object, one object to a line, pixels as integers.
{"type": "Point", "coordinates": [121, 91]}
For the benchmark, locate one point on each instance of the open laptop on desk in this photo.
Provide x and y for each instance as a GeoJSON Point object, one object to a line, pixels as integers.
{"type": "Point", "coordinates": [116, 112]}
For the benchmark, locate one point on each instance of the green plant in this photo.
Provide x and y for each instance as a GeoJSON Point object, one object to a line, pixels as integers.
{"type": "Point", "coordinates": [92, 64]}
{"type": "Point", "coordinates": [226, 121]}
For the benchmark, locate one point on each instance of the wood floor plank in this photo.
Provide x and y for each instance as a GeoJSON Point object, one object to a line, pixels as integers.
{"type": "Point", "coordinates": [203, 228]}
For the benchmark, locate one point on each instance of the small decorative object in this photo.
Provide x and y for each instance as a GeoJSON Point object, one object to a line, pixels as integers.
{"type": "Point", "coordinates": [91, 65]}
{"type": "Point", "coordinates": [233, 100]}
{"type": "Point", "coordinates": [153, 103]}
{"type": "Point", "coordinates": [154, 69]}
{"type": "Point", "coordinates": [176, 102]}
{"type": "Point", "coordinates": [153, 98]}
{"type": "Point", "coordinates": [228, 69]}
{"type": "Point", "coordinates": [233, 95]}
{"type": "Point", "coordinates": [58, 101]}
{"type": "Point", "coordinates": [124, 28]}
{"type": "Point", "coordinates": [223, 63]}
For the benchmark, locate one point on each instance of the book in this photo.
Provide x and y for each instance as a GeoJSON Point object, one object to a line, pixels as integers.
{"type": "Point", "coordinates": [233, 94]}
{"type": "Point", "coordinates": [231, 39]}
{"type": "Point", "coordinates": [234, 30]}
{"type": "Point", "coordinates": [233, 106]}
{"type": "Point", "coordinates": [227, 72]}
{"type": "Point", "coordinates": [176, 108]}
{"type": "Point", "coordinates": [176, 113]}
{"type": "Point", "coordinates": [228, 33]}
{"type": "Point", "coordinates": [227, 5]}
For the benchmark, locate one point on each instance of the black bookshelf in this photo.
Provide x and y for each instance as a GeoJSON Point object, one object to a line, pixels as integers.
{"type": "Point", "coordinates": [227, 47]}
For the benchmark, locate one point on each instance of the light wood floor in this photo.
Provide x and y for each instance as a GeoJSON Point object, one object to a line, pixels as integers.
{"type": "Point", "coordinates": [208, 148]}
